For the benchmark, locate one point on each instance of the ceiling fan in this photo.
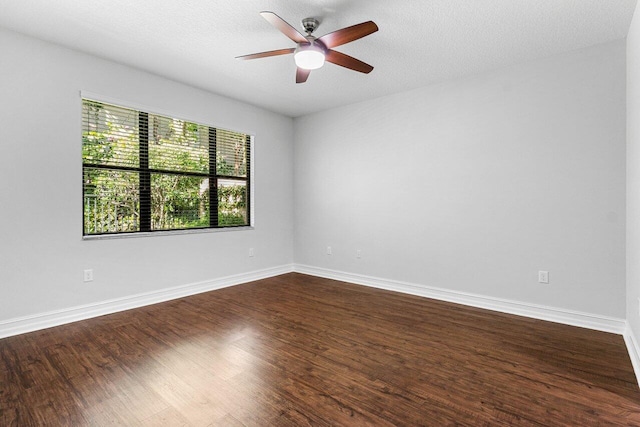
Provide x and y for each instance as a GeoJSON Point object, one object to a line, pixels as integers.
{"type": "Point", "coordinates": [312, 52]}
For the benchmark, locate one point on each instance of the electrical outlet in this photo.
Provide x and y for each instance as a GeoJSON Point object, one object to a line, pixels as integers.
{"type": "Point", "coordinates": [543, 276]}
{"type": "Point", "coordinates": [251, 253]}
{"type": "Point", "coordinates": [358, 253]}
{"type": "Point", "coordinates": [329, 251]}
{"type": "Point", "coordinates": [88, 275]}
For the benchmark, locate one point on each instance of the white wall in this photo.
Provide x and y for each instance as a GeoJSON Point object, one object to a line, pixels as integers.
{"type": "Point", "coordinates": [42, 254]}
{"type": "Point", "coordinates": [471, 185]}
{"type": "Point", "coordinates": [633, 176]}
{"type": "Point", "coordinates": [474, 185]}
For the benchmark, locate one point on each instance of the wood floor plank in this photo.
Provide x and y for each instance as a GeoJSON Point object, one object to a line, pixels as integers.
{"type": "Point", "coordinates": [296, 350]}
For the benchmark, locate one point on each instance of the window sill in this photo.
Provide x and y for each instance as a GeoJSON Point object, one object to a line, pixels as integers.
{"type": "Point", "coordinates": [165, 233]}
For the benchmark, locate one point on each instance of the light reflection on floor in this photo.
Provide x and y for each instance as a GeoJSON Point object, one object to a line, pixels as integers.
{"type": "Point", "coordinates": [201, 378]}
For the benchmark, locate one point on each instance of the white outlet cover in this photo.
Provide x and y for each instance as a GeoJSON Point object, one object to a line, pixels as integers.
{"type": "Point", "coordinates": [543, 276]}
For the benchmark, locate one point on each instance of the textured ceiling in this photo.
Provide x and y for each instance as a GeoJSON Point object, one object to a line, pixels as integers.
{"type": "Point", "coordinates": [420, 41]}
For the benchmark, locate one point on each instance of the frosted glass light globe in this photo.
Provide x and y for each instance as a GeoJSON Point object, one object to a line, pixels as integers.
{"type": "Point", "coordinates": [309, 57]}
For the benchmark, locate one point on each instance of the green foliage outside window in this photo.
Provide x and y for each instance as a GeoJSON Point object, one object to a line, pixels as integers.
{"type": "Point", "coordinates": [178, 159]}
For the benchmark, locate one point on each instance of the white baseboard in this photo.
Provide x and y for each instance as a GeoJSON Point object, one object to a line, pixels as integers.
{"type": "Point", "coordinates": [552, 314]}
{"type": "Point", "coordinates": [49, 319]}
{"type": "Point", "coordinates": [633, 350]}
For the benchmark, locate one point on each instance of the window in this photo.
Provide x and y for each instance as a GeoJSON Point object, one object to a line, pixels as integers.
{"type": "Point", "coordinates": [145, 172]}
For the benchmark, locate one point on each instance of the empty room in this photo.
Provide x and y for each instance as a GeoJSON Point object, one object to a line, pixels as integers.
{"type": "Point", "coordinates": [319, 213]}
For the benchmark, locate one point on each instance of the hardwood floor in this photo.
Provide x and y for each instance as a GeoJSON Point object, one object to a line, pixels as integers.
{"type": "Point", "coordinates": [296, 350]}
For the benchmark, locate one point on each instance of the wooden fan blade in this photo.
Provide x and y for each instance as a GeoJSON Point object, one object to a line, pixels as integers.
{"type": "Point", "coordinates": [302, 75]}
{"type": "Point", "coordinates": [267, 54]}
{"type": "Point", "coordinates": [348, 34]}
{"type": "Point", "coordinates": [284, 27]}
{"type": "Point", "coordinates": [347, 61]}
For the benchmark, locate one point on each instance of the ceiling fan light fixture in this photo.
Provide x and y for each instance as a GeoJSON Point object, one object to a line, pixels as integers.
{"type": "Point", "coordinates": [309, 57]}
{"type": "Point", "coordinates": [310, 52]}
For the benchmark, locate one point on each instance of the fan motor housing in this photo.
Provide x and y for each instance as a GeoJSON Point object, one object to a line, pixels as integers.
{"type": "Point", "coordinates": [310, 25]}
